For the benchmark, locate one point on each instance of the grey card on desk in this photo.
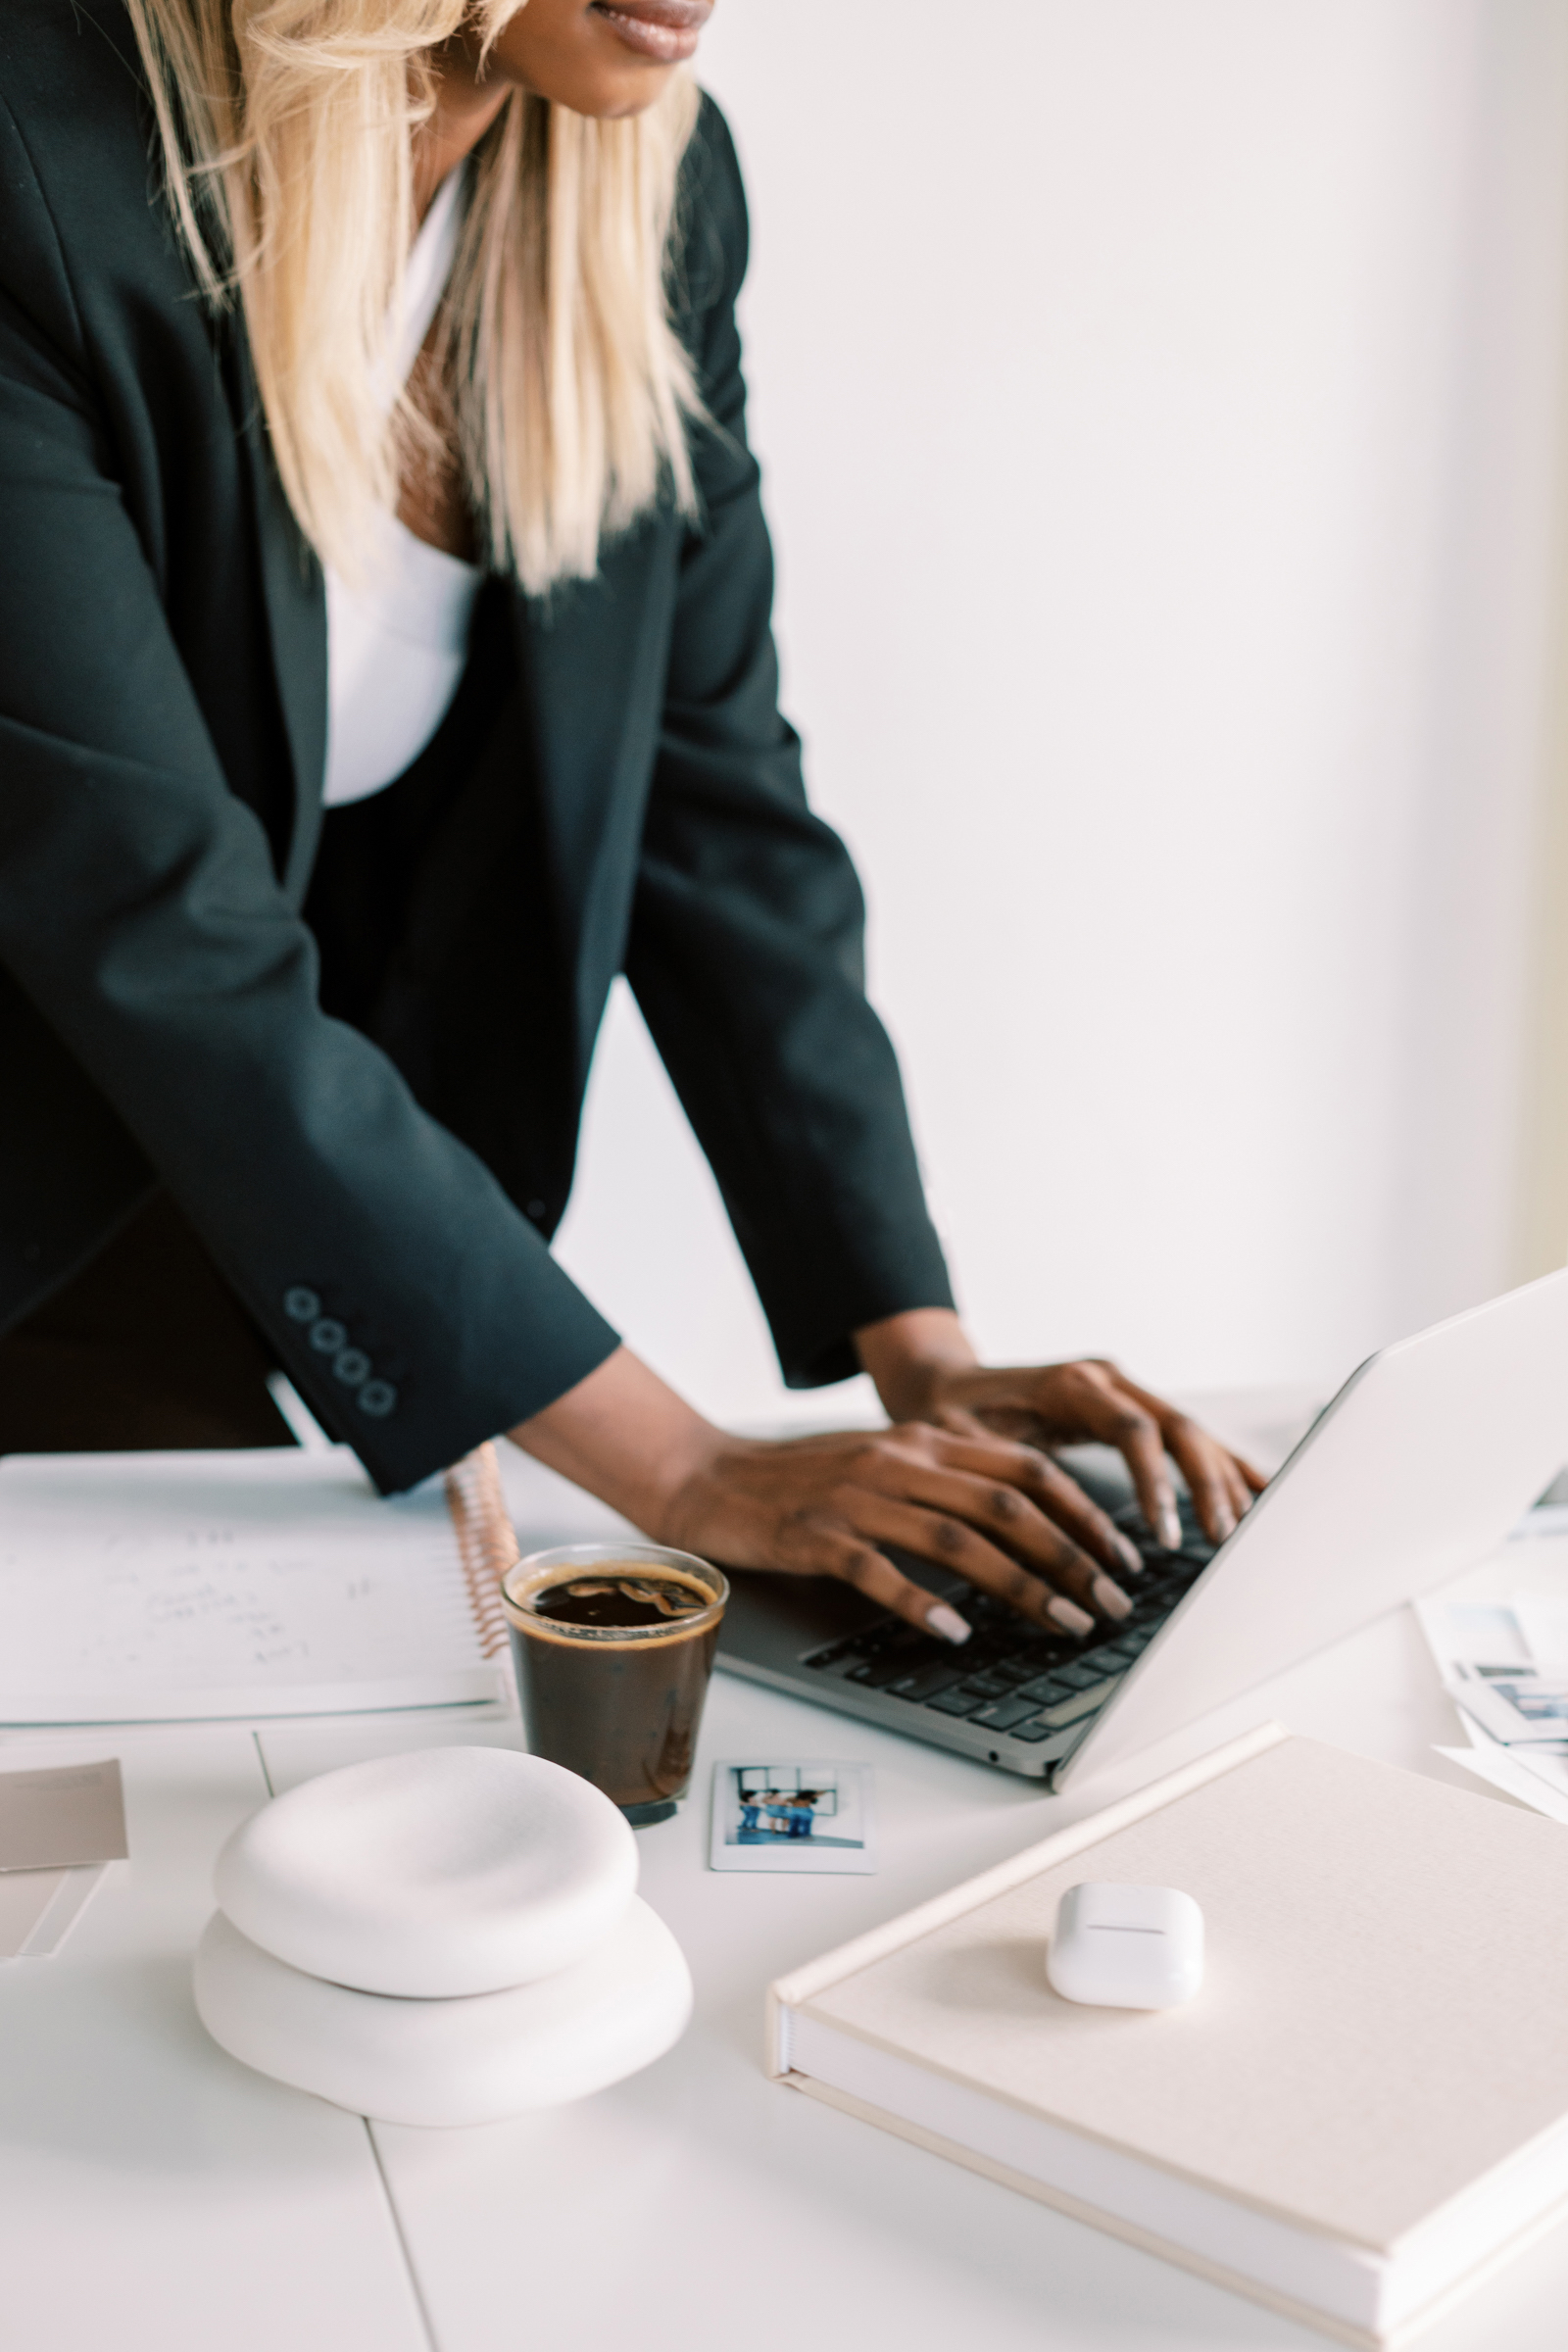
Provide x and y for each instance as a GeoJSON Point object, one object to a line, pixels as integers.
{"type": "Point", "coordinates": [64, 1815]}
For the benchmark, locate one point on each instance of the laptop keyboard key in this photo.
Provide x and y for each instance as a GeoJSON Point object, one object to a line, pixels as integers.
{"type": "Point", "coordinates": [1001, 1714]}
{"type": "Point", "coordinates": [1081, 1703]}
{"type": "Point", "coordinates": [1012, 1671]}
{"type": "Point", "coordinates": [1041, 1656]}
{"type": "Point", "coordinates": [876, 1675]}
{"type": "Point", "coordinates": [1044, 1689]}
{"type": "Point", "coordinates": [925, 1683]}
{"type": "Point", "coordinates": [1079, 1677]}
{"type": "Point", "coordinates": [956, 1702]}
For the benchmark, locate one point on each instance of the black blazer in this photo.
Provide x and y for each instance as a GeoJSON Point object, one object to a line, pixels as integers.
{"type": "Point", "coordinates": [161, 734]}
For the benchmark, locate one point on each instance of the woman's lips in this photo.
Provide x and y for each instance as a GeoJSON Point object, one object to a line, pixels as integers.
{"type": "Point", "coordinates": [666, 31]}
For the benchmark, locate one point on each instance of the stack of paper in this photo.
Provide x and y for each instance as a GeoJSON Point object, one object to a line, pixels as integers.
{"type": "Point", "coordinates": [1504, 1664]}
{"type": "Point", "coordinates": [60, 1828]}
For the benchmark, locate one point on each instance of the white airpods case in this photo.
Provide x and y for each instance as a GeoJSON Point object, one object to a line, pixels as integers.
{"type": "Point", "coordinates": [1126, 1948]}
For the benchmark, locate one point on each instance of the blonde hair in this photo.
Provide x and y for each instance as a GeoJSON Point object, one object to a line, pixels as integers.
{"type": "Point", "coordinates": [287, 129]}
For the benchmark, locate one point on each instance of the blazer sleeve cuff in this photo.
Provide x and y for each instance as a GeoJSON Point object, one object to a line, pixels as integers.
{"type": "Point", "coordinates": [513, 1342]}
{"type": "Point", "coordinates": [814, 1321]}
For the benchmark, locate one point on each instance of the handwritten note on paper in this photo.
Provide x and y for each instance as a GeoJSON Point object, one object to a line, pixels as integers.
{"type": "Point", "coordinates": [147, 1587]}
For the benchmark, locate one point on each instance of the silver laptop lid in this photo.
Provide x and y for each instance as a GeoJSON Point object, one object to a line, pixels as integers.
{"type": "Point", "coordinates": [1419, 1467]}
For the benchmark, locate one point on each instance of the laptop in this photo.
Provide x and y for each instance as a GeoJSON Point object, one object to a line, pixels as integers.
{"type": "Point", "coordinates": [1418, 1468]}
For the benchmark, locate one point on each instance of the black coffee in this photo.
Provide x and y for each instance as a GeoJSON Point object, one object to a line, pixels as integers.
{"type": "Point", "coordinates": [619, 1600]}
{"type": "Point", "coordinates": [624, 1714]}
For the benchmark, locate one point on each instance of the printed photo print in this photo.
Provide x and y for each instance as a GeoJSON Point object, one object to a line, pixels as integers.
{"type": "Point", "coordinates": [799, 1816]}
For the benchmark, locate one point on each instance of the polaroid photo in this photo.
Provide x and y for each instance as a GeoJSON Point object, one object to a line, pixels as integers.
{"type": "Point", "coordinates": [1517, 1707]}
{"type": "Point", "coordinates": [807, 1816]}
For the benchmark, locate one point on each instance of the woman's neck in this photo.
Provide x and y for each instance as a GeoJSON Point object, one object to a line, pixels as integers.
{"type": "Point", "coordinates": [465, 105]}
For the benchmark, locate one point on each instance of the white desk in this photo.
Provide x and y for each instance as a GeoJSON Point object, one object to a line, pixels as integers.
{"type": "Point", "coordinates": [153, 2194]}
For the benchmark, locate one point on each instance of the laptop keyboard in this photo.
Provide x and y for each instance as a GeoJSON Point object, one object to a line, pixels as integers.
{"type": "Point", "coordinates": [1011, 1676]}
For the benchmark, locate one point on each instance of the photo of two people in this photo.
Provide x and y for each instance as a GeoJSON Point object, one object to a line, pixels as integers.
{"type": "Point", "coordinates": [768, 1812]}
{"type": "Point", "coordinates": [802, 1816]}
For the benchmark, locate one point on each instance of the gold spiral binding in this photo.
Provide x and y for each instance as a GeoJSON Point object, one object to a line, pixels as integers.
{"type": "Point", "coordinates": [486, 1544]}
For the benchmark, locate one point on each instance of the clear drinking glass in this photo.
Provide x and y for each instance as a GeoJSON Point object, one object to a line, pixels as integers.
{"type": "Point", "coordinates": [614, 1644]}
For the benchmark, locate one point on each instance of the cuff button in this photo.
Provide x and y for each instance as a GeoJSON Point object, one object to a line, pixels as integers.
{"type": "Point", "coordinates": [327, 1336]}
{"type": "Point", "coordinates": [352, 1367]}
{"type": "Point", "coordinates": [377, 1399]}
{"type": "Point", "coordinates": [301, 1305]}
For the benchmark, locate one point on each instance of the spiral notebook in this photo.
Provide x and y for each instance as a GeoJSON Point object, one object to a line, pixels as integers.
{"type": "Point", "coordinates": [169, 1587]}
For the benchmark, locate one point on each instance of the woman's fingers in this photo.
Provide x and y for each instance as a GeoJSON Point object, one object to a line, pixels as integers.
{"type": "Point", "coordinates": [1002, 1515]}
{"type": "Point", "coordinates": [1241, 1494]}
{"type": "Point", "coordinates": [1222, 1483]}
{"type": "Point", "coordinates": [822, 1546]}
{"type": "Point", "coordinates": [1053, 1497]}
{"type": "Point", "coordinates": [1010, 1520]}
{"type": "Point", "coordinates": [1064, 1498]}
{"type": "Point", "coordinates": [1056, 1404]}
{"type": "Point", "coordinates": [1113, 1413]}
{"type": "Point", "coordinates": [1206, 1468]}
{"type": "Point", "coordinates": [952, 1542]}
{"type": "Point", "coordinates": [908, 1490]}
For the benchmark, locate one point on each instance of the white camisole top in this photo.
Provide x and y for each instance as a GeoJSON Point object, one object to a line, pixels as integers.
{"type": "Point", "coordinates": [397, 643]}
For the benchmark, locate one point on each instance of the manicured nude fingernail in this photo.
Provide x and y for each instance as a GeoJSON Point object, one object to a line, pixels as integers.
{"type": "Point", "coordinates": [1068, 1615]}
{"type": "Point", "coordinates": [1111, 1597]}
{"type": "Point", "coordinates": [1170, 1528]}
{"type": "Point", "coordinates": [947, 1623]}
{"type": "Point", "coordinates": [1224, 1524]}
{"type": "Point", "coordinates": [1132, 1559]}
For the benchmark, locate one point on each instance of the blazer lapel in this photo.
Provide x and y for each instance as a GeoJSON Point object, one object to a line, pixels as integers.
{"type": "Point", "coordinates": [296, 614]}
{"type": "Point", "coordinates": [593, 658]}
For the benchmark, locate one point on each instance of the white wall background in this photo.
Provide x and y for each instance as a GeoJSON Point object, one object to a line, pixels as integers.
{"type": "Point", "coordinates": [1159, 402]}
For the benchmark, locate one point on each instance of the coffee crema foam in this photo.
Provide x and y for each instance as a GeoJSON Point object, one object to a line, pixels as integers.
{"type": "Point", "coordinates": [651, 1605]}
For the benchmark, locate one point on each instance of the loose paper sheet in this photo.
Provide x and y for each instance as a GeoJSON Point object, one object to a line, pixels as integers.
{"type": "Point", "coordinates": [161, 1586]}
{"type": "Point", "coordinates": [38, 1906]}
{"type": "Point", "coordinates": [1483, 1649]}
{"type": "Point", "coordinates": [70, 1813]}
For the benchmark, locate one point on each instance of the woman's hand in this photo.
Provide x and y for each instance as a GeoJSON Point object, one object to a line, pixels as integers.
{"type": "Point", "coordinates": [925, 1369]}
{"type": "Point", "coordinates": [999, 1513]}
{"type": "Point", "coordinates": [952, 1483]}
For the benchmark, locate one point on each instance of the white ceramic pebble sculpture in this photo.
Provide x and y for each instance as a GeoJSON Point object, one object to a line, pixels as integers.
{"type": "Point", "coordinates": [444, 1937]}
{"type": "Point", "coordinates": [470, 2061]}
{"type": "Point", "coordinates": [452, 1870]}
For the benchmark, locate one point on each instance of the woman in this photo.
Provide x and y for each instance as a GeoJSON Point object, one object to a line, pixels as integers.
{"type": "Point", "coordinates": [467, 541]}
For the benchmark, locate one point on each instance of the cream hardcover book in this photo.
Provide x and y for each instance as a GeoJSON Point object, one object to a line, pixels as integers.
{"type": "Point", "coordinates": [1361, 2114]}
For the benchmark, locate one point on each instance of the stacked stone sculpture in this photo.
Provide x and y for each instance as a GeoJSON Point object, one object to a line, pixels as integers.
{"type": "Point", "coordinates": [449, 1937]}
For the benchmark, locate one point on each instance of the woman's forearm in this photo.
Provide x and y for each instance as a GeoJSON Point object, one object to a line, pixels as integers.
{"type": "Point", "coordinates": [627, 1436]}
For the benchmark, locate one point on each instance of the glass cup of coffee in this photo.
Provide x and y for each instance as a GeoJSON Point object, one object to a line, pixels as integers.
{"type": "Point", "coordinates": [614, 1644]}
